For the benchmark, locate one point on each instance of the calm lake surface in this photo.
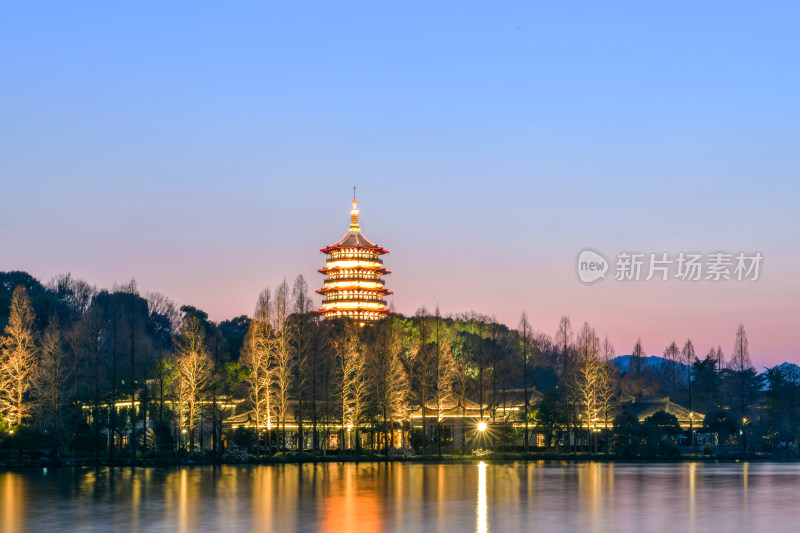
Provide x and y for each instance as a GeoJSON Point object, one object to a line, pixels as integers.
{"type": "Point", "coordinates": [453, 498]}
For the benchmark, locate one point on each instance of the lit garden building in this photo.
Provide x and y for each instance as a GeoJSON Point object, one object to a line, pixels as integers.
{"type": "Point", "coordinates": [354, 287]}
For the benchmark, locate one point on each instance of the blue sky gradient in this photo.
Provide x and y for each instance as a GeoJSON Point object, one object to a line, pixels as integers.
{"type": "Point", "coordinates": [209, 150]}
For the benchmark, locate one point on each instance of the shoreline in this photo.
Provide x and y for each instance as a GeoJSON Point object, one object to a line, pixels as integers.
{"type": "Point", "coordinates": [501, 458]}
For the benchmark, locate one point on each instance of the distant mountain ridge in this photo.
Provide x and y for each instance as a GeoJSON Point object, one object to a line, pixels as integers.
{"type": "Point", "coordinates": [656, 362]}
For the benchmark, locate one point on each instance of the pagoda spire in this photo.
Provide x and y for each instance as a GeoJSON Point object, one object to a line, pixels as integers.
{"type": "Point", "coordinates": [354, 227]}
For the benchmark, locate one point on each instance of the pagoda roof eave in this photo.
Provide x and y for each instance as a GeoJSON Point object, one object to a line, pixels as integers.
{"type": "Point", "coordinates": [354, 240]}
{"type": "Point", "coordinates": [381, 290]}
{"type": "Point", "coordinates": [380, 249]}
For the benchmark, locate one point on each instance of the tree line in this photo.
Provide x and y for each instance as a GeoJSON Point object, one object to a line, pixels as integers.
{"type": "Point", "coordinates": [114, 374]}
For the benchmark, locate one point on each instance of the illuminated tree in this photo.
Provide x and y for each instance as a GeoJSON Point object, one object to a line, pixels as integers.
{"type": "Point", "coordinates": [586, 385]}
{"type": "Point", "coordinates": [462, 390]}
{"type": "Point", "coordinates": [283, 356]}
{"type": "Point", "coordinates": [353, 380]}
{"type": "Point", "coordinates": [17, 358]}
{"type": "Point", "coordinates": [423, 368]}
{"type": "Point", "coordinates": [607, 392]}
{"type": "Point", "coordinates": [257, 357]}
{"type": "Point", "coordinates": [194, 372]}
{"type": "Point", "coordinates": [389, 375]}
{"type": "Point", "coordinates": [445, 368]}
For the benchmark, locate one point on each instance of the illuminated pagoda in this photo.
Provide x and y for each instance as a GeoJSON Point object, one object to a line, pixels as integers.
{"type": "Point", "coordinates": [353, 270]}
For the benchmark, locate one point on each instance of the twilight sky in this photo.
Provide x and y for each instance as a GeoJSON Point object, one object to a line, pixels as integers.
{"type": "Point", "coordinates": [210, 149]}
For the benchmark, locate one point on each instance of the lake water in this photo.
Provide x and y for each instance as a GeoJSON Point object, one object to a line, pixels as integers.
{"type": "Point", "coordinates": [452, 498]}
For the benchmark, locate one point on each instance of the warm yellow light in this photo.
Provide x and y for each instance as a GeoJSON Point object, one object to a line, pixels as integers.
{"type": "Point", "coordinates": [481, 426]}
{"type": "Point", "coordinates": [184, 432]}
{"type": "Point", "coordinates": [483, 508]}
{"type": "Point", "coordinates": [330, 306]}
{"type": "Point", "coordinates": [353, 285]}
{"type": "Point", "coordinates": [352, 263]}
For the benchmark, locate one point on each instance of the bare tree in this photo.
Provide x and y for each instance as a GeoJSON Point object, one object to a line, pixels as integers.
{"type": "Point", "coordinates": [636, 367]}
{"type": "Point", "coordinates": [318, 349]}
{"type": "Point", "coordinates": [353, 380]}
{"type": "Point", "coordinates": [607, 350]}
{"type": "Point", "coordinates": [79, 296]}
{"type": "Point", "coordinates": [742, 366]}
{"type": "Point", "coordinates": [423, 368]}
{"type": "Point", "coordinates": [301, 340]}
{"type": "Point", "coordinates": [76, 293]}
{"type": "Point", "coordinates": [133, 323]}
{"type": "Point", "coordinates": [284, 362]}
{"type": "Point", "coordinates": [51, 380]}
{"type": "Point", "coordinates": [688, 358]}
{"type": "Point", "coordinates": [114, 319]}
{"type": "Point", "coordinates": [17, 358]}
{"type": "Point", "coordinates": [85, 339]}
{"type": "Point", "coordinates": [525, 336]}
{"type": "Point", "coordinates": [445, 369]}
{"type": "Point", "coordinates": [563, 341]}
{"type": "Point", "coordinates": [161, 306]}
{"type": "Point", "coordinates": [586, 385]}
{"type": "Point", "coordinates": [257, 357]}
{"type": "Point", "coordinates": [607, 387]}
{"type": "Point", "coordinates": [389, 376]}
{"type": "Point", "coordinates": [194, 370]}
{"type": "Point", "coordinates": [673, 354]}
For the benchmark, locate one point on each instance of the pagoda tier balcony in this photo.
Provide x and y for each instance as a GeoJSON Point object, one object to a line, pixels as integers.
{"type": "Point", "coordinates": [353, 290]}
{"type": "Point", "coordinates": [377, 297]}
{"type": "Point", "coordinates": [361, 282]}
{"type": "Point", "coordinates": [334, 290]}
{"type": "Point", "coordinates": [353, 263]}
{"type": "Point", "coordinates": [372, 272]}
{"type": "Point", "coordinates": [353, 303]}
{"type": "Point", "coordinates": [361, 315]}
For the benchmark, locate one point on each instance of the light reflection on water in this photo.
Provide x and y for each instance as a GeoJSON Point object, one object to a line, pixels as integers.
{"type": "Point", "coordinates": [451, 498]}
{"type": "Point", "coordinates": [482, 507]}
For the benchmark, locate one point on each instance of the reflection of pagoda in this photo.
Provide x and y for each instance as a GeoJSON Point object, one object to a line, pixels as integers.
{"type": "Point", "coordinates": [353, 286]}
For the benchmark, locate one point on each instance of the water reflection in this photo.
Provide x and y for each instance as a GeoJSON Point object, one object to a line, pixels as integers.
{"type": "Point", "coordinates": [383, 497]}
{"type": "Point", "coordinates": [482, 525]}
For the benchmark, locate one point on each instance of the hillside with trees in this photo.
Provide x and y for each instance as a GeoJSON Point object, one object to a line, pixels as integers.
{"type": "Point", "coordinates": [116, 375]}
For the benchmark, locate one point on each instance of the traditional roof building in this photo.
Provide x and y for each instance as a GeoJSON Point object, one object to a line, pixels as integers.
{"type": "Point", "coordinates": [353, 269]}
